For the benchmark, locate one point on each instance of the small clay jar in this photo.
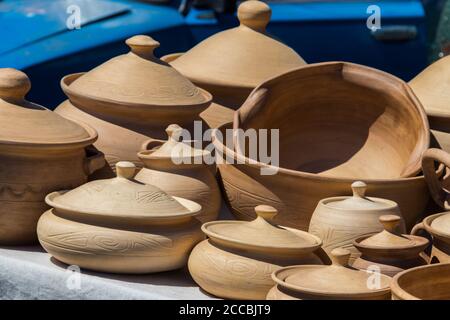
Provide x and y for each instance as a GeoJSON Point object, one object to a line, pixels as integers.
{"type": "Point", "coordinates": [389, 251]}
{"type": "Point", "coordinates": [181, 171]}
{"type": "Point", "coordinates": [237, 260]}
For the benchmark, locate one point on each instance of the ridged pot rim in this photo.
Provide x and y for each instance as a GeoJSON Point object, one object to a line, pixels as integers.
{"type": "Point", "coordinates": [436, 233]}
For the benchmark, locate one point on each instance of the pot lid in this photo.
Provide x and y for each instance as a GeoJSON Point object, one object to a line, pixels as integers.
{"type": "Point", "coordinates": [138, 77]}
{"type": "Point", "coordinates": [338, 279]}
{"type": "Point", "coordinates": [243, 56]}
{"type": "Point", "coordinates": [442, 224]}
{"type": "Point", "coordinates": [24, 122]}
{"type": "Point", "coordinates": [121, 196]}
{"type": "Point", "coordinates": [359, 201]}
{"type": "Point", "coordinates": [262, 233]}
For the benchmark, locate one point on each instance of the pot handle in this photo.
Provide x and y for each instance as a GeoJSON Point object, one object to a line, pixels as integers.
{"type": "Point", "coordinates": [95, 161]}
{"type": "Point", "coordinates": [434, 184]}
{"type": "Point", "coordinates": [415, 231]}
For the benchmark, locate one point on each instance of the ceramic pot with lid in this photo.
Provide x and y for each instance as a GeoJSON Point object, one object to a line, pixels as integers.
{"type": "Point", "coordinates": [132, 98]}
{"type": "Point", "coordinates": [338, 281]}
{"type": "Point", "coordinates": [120, 225]}
{"type": "Point", "coordinates": [390, 251]}
{"type": "Point", "coordinates": [237, 260]}
{"type": "Point", "coordinates": [230, 64]}
{"type": "Point", "coordinates": [180, 170]}
{"type": "Point", "coordinates": [40, 152]}
{"type": "Point", "coordinates": [338, 221]}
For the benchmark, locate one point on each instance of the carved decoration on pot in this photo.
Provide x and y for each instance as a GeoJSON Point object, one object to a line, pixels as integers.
{"type": "Point", "coordinates": [237, 260]}
{"type": "Point", "coordinates": [230, 64]}
{"type": "Point", "coordinates": [131, 98]}
{"type": "Point", "coordinates": [180, 170]}
{"type": "Point", "coordinates": [40, 152]}
{"type": "Point", "coordinates": [338, 281]}
{"type": "Point", "coordinates": [119, 225]}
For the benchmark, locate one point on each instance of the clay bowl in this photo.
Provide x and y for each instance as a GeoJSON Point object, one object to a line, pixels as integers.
{"type": "Point", "coordinates": [368, 127]}
{"type": "Point", "coordinates": [430, 282]}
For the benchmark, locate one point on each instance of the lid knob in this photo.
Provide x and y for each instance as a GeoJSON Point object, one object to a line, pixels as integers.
{"type": "Point", "coordinates": [266, 212]}
{"type": "Point", "coordinates": [340, 257]}
{"type": "Point", "coordinates": [174, 132]}
{"type": "Point", "coordinates": [390, 222]}
{"type": "Point", "coordinates": [142, 45]}
{"type": "Point", "coordinates": [254, 14]}
{"type": "Point", "coordinates": [359, 189]}
{"type": "Point", "coordinates": [14, 84]}
{"type": "Point", "coordinates": [125, 169]}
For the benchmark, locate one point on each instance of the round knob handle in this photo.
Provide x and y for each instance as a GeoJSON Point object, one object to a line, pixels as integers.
{"type": "Point", "coordinates": [174, 132]}
{"type": "Point", "coordinates": [142, 46]}
{"type": "Point", "coordinates": [254, 14]}
{"type": "Point", "coordinates": [340, 257]}
{"type": "Point", "coordinates": [359, 189]}
{"type": "Point", "coordinates": [390, 222]}
{"type": "Point", "coordinates": [266, 212]}
{"type": "Point", "coordinates": [125, 169]}
{"type": "Point", "coordinates": [14, 84]}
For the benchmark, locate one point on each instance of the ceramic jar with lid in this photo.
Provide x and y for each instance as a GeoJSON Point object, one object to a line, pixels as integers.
{"type": "Point", "coordinates": [181, 171]}
{"type": "Point", "coordinates": [237, 260]}
{"type": "Point", "coordinates": [390, 251]}
{"type": "Point", "coordinates": [338, 281]}
{"type": "Point", "coordinates": [40, 152]}
{"type": "Point", "coordinates": [119, 225]}
{"type": "Point", "coordinates": [340, 220]}
{"type": "Point", "coordinates": [132, 98]}
{"type": "Point", "coordinates": [230, 64]}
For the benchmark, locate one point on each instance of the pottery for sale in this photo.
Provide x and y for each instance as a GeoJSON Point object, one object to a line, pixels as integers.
{"type": "Point", "coordinates": [338, 221]}
{"type": "Point", "coordinates": [132, 98]}
{"type": "Point", "coordinates": [338, 281]}
{"type": "Point", "coordinates": [431, 282]}
{"type": "Point", "coordinates": [120, 225]}
{"type": "Point", "coordinates": [40, 152]}
{"type": "Point", "coordinates": [230, 64]}
{"type": "Point", "coordinates": [181, 171]}
{"type": "Point", "coordinates": [237, 260]}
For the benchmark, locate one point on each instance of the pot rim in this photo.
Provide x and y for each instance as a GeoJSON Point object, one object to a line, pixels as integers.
{"type": "Point", "coordinates": [393, 251]}
{"type": "Point", "coordinates": [427, 224]}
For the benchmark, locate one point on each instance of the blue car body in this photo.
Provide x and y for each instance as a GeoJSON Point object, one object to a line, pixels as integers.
{"type": "Point", "coordinates": [35, 38]}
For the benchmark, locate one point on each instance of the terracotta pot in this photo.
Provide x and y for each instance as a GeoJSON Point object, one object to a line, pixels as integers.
{"type": "Point", "coordinates": [40, 152]}
{"type": "Point", "coordinates": [431, 282]}
{"type": "Point", "coordinates": [230, 64]}
{"type": "Point", "coordinates": [120, 226]}
{"type": "Point", "coordinates": [180, 171]}
{"type": "Point", "coordinates": [338, 221]}
{"type": "Point", "coordinates": [338, 281]}
{"type": "Point", "coordinates": [390, 251]}
{"type": "Point", "coordinates": [237, 260]}
{"type": "Point", "coordinates": [130, 99]}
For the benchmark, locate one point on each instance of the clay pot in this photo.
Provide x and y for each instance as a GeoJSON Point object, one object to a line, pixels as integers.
{"type": "Point", "coordinates": [230, 64]}
{"type": "Point", "coordinates": [180, 170]}
{"type": "Point", "coordinates": [40, 152]}
{"type": "Point", "coordinates": [431, 282]}
{"type": "Point", "coordinates": [338, 281]}
{"type": "Point", "coordinates": [119, 225]}
{"type": "Point", "coordinates": [237, 260]}
{"type": "Point", "coordinates": [389, 250]}
{"type": "Point", "coordinates": [370, 128]}
{"type": "Point", "coordinates": [338, 221]}
{"type": "Point", "coordinates": [132, 98]}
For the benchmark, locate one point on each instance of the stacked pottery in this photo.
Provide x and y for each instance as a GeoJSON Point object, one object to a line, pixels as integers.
{"type": "Point", "coordinates": [389, 251]}
{"type": "Point", "coordinates": [132, 98]}
{"type": "Point", "coordinates": [230, 64]}
{"type": "Point", "coordinates": [181, 171]}
{"type": "Point", "coordinates": [338, 281]}
{"type": "Point", "coordinates": [119, 225]}
{"type": "Point", "coordinates": [40, 152]}
{"type": "Point", "coordinates": [237, 260]}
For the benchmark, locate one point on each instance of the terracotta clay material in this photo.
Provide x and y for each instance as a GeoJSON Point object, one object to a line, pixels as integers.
{"type": "Point", "coordinates": [338, 281]}
{"type": "Point", "coordinates": [132, 98]}
{"type": "Point", "coordinates": [180, 170]}
{"type": "Point", "coordinates": [237, 260]}
{"type": "Point", "coordinates": [119, 225]}
{"type": "Point", "coordinates": [431, 282]}
{"type": "Point", "coordinates": [40, 152]}
{"type": "Point", "coordinates": [230, 64]}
